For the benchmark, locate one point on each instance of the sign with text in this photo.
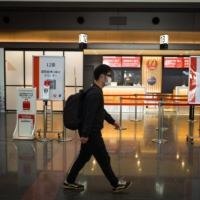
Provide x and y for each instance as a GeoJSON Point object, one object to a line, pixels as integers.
{"type": "Point", "coordinates": [176, 62]}
{"type": "Point", "coordinates": [112, 61]}
{"type": "Point", "coordinates": [130, 61]}
{"type": "Point", "coordinates": [49, 69]}
{"type": "Point", "coordinates": [26, 113]}
{"type": "Point", "coordinates": [194, 80]}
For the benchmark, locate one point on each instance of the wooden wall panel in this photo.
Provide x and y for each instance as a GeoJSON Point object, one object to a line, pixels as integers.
{"type": "Point", "coordinates": [152, 73]}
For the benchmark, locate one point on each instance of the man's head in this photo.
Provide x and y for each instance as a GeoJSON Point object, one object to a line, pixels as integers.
{"type": "Point", "coordinates": [102, 75]}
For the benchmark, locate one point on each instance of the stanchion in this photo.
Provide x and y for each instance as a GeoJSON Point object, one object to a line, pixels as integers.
{"type": "Point", "coordinates": [120, 117]}
{"type": "Point", "coordinates": [135, 120]}
{"type": "Point", "coordinates": [159, 140]}
{"type": "Point", "coordinates": [45, 124]}
{"type": "Point", "coordinates": [191, 133]}
{"type": "Point", "coordinates": [191, 115]}
{"type": "Point", "coordinates": [162, 116]}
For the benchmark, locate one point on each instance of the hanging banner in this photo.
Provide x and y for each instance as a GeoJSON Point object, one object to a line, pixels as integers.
{"type": "Point", "coordinates": [194, 80]}
{"type": "Point", "coordinates": [48, 77]}
{"type": "Point", "coordinates": [26, 114]}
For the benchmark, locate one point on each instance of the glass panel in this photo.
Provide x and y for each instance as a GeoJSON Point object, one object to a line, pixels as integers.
{"type": "Point", "coordinates": [117, 76]}
{"type": "Point", "coordinates": [29, 65]}
{"type": "Point", "coordinates": [132, 77]}
{"type": "Point", "coordinates": [71, 90]}
{"type": "Point", "coordinates": [73, 67]}
{"type": "Point", "coordinates": [14, 67]}
{"type": "Point", "coordinates": [11, 99]}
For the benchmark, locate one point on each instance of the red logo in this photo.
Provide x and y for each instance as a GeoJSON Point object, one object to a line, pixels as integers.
{"type": "Point", "coordinates": [152, 64]}
{"type": "Point", "coordinates": [54, 95]}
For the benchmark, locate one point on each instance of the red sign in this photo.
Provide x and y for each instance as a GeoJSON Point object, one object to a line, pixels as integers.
{"type": "Point", "coordinates": [112, 61]}
{"type": "Point", "coordinates": [152, 64]}
{"type": "Point", "coordinates": [131, 61]}
{"type": "Point", "coordinates": [176, 62]}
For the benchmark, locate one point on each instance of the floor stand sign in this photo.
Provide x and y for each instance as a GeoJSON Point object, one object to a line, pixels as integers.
{"type": "Point", "coordinates": [194, 89]}
{"type": "Point", "coordinates": [26, 114]}
{"type": "Point", "coordinates": [48, 78]}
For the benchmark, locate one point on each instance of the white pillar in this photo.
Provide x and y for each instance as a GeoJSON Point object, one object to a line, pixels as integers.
{"type": "Point", "coordinates": [2, 81]}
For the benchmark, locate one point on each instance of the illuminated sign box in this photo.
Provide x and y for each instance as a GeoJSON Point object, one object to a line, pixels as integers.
{"type": "Point", "coordinates": [176, 62]}
{"type": "Point", "coordinates": [112, 61]}
{"type": "Point", "coordinates": [130, 61]}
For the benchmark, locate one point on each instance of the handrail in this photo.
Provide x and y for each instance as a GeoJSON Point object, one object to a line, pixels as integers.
{"type": "Point", "coordinates": [150, 104]}
{"type": "Point", "coordinates": [156, 99]}
{"type": "Point", "coordinates": [145, 95]}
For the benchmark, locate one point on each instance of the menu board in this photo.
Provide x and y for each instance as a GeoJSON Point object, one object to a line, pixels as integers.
{"type": "Point", "coordinates": [130, 61]}
{"type": "Point", "coordinates": [112, 61]}
{"type": "Point", "coordinates": [176, 62]}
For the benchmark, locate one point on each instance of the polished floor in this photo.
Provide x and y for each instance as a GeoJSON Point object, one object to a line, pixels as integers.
{"type": "Point", "coordinates": [169, 171]}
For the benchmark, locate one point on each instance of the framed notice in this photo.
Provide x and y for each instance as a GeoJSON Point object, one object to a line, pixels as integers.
{"type": "Point", "coordinates": [130, 61]}
{"type": "Point", "coordinates": [26, 113]}
{"type": "Point", "coordinates": [48, 77]}
{"type": "Point", "coordinates": [176, 62]}
{"type": "Point", "coordinates": [112, 61]}
{"type": "Point", "coordinates": [194, 80]}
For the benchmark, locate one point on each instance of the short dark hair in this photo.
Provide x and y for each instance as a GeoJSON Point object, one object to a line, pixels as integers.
{"type": "Point", "coordinates": [101, 69]}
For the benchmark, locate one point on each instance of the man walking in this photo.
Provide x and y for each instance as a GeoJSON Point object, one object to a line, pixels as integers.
{"type": "Point", "coordinates": [91, 139]}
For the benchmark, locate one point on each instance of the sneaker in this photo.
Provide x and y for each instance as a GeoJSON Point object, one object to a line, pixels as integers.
{"type": "Point", "coordinates": [122, 185]}
{"type": "Point", "coordinates": [74, 186]}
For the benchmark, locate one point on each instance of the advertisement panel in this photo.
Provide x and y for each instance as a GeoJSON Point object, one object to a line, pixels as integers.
{"type": "Point", "coordinates": [48, 77]}
{"type": "Point", "coordinates": [112, 61]}
{"type": "Point", "coordinates": [130, 61]}
{"type": "Point", "coordinates": [26, 113]}
{"type": "Point", "coordinates": [176, 62]}
{"type": "Point", "coordinates": [194, 80]}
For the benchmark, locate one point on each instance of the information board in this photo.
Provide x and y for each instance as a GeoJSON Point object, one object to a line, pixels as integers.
{"type": "Point", "coordinates": [26, 114]}
{"type": "Point", "coordinates": [112, 61]}
{"type": "Point", "coordinates": [130, 61]}
{"type": "Point", "coordinates": [176, 62]}
{"type": "Point", "coordinates": [194, 80]}
{"type": "Point", "coordinates": [49, 69]}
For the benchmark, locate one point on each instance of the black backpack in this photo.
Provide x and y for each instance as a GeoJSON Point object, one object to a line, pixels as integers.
{"type": "Point", "coordinates": [73, 110]}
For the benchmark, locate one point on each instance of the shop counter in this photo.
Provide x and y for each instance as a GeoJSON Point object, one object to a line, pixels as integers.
{"type": "Point", "coordinates": [117, 91]}
{"type": "Point", "coordinates": [181, 90]}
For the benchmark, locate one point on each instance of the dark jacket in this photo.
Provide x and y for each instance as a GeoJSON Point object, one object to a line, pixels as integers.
{"type": "Point", "coordinates": [94, 112]}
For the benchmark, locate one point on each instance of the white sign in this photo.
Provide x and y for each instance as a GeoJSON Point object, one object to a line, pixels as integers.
{"type": "Point", "coordinates": [49, 69]}
{"type": "Point", "coordinates": [82, 38]}
{"type": "Point", "coordinates": [26, 114]}
{"type": "Point", "coordinates": [164, 39]}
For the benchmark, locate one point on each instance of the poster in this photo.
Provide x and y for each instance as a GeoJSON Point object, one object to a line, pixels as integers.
{"type": "Point", "coordinates": [26, 113]}
{"type": "Point", "coordinates": [194, 80]}
{"type": "Point", "coordinates": [49, 69]}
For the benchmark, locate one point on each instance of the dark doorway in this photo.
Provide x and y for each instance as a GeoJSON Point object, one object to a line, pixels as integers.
{"type": "Point", "coordinates": [88, 77]}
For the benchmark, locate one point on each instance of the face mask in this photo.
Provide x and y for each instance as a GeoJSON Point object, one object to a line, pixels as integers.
{"type": "Point", "coordinates": [108, 82]}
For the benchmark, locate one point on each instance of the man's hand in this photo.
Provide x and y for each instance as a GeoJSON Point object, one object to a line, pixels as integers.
{"type": "Point", "coordinates": [116, 124]}
{"type": "Point", "coordinates": [83, 140]}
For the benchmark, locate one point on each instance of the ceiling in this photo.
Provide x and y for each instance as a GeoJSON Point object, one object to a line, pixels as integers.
{"type": "Point", "coordinates": [108, 37]}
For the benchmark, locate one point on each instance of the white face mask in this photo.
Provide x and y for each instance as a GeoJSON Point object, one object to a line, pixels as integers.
{"type": "Point", "coordinates": [108, 82]}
